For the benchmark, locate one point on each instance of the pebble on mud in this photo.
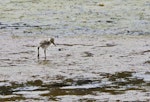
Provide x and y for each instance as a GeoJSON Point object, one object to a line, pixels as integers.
{"type": "Point", "coordinates": [59, 49]}
{"type": "Point", "coordinates": [100, 4]}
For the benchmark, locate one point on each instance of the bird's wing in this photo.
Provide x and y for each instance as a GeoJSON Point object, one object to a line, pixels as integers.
{"type": "Point", "coordinates": [44, 42]}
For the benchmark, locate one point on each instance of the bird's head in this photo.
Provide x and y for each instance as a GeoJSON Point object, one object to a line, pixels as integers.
{"type": "Point", "coordinates": [52, 41]}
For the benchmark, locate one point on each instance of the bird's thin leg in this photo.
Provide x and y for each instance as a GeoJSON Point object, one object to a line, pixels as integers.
{"type": "Point", "coordinates": [45, 53]}
{"type": "Point", "coordinates": [38, 53]}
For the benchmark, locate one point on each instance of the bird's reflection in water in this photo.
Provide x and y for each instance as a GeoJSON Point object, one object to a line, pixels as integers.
{"type": "Point", "coordinates": [44, 62]}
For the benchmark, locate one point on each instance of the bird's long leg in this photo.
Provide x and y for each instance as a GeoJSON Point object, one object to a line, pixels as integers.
{"type": "Point", "coordinates": [38, 53]}
{"type": "Point", "coordinates": [45, 53]}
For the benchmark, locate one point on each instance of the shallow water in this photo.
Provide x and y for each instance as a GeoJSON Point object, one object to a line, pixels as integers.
{"type": "Point", "coordinates": [102, 52]}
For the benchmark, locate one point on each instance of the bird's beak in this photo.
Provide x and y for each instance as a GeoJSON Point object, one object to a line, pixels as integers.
{"type": "Point", "coordinates": [53, 43]}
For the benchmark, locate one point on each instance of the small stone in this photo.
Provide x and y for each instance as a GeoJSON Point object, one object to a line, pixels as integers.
{"type": "Point", "coordinates": [100, 4]}
{"type": "Point", "coordinates": [59, 49]}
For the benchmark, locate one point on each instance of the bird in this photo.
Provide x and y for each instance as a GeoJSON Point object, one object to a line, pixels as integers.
{"type": "Point", "coordinates": [44, 45]}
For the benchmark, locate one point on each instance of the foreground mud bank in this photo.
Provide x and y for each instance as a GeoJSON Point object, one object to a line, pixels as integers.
{"type": "Point", "coordinates": [107, 88]}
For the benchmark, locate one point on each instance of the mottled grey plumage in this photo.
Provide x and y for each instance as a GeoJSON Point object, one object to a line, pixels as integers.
{"type": "Point", "coordinates": [45, 44]}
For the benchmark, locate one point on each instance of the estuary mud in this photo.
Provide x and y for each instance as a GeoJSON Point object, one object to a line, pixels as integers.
{"type": "Point", "coordinates": [102, 50]}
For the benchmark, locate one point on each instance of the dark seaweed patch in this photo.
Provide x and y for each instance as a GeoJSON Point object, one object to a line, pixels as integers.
{"type": "Point", "coordinates": [120, 82]}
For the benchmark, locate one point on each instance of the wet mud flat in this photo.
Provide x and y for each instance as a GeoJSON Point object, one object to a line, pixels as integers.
{"type": "Point", "coordinates": [102, 52]}
{"type": "Point", "coordinates": [78, 68]}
